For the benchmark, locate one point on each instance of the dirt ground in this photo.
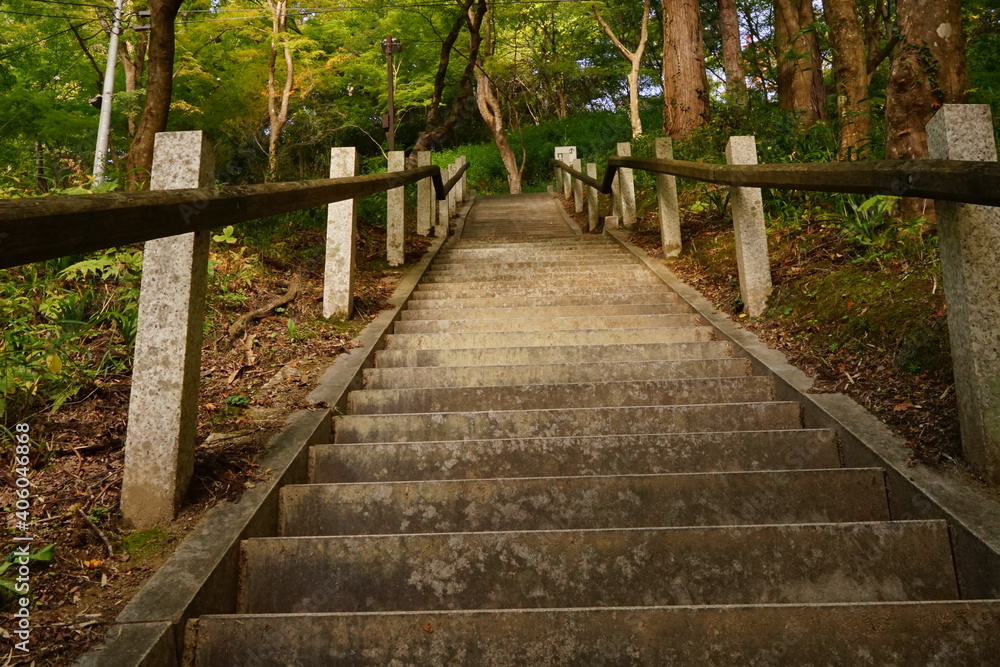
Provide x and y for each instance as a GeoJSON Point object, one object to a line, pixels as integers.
{"type": "Point", "coordinates": [249, 383]}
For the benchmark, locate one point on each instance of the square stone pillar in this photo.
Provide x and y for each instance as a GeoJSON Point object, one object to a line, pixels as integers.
{"type": "Point", "coordinates": [460, 188]}
{"type": "Point", "coordinates": [751, 235]}
{"type": "Point", "coordinates": [626, 187]}
{"type": "Point", "coordinates": [341, 240]}
{"type": "Point", "coordinates": [395, 213]}
{"type": "Point", "coordinates": [452, 194]}
{"type": "Point", "coordinates": [578, 187]}
{"type": "Point", "coordinates": [969, 237]}
{"type": "Point", "coordinates": [566, 155]}
{"type": "Point", "coordinates": [666, 195]}
{"type": "Point", "coordinates": [592, 200]}
{"type": "Point", "coordinates": [163, 408]}
{"type": "Point", "coordinates": [425, 197]}
{"type": "Point", "coordinates": [616, 195]}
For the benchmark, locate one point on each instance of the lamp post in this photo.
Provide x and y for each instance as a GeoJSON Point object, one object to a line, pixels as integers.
{"type": "Point", "coordinates": [391, 46]}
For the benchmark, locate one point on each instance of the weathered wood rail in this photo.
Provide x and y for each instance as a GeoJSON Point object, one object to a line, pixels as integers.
{"type": "Point", "coordinates": [173, 220]}
{"type": "Point", "coordinates": [37, 229]}
{"type": "Point", "coordinates": [963, 177]}
{"type": "Point", "coordinates": [943, 180]}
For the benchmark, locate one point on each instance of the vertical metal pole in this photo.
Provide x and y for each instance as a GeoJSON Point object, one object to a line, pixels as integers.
{"type": "Point", "coordinates": [104, 127]}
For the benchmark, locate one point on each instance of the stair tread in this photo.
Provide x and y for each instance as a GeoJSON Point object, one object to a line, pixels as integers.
{"type": "Point", "coordinates": [597, 501]}
{"type": "Point", "coordinates": [838, 562]}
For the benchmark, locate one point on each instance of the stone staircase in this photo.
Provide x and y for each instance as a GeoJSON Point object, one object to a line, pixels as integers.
{"type": "Point", "coordinates": [555, 462]}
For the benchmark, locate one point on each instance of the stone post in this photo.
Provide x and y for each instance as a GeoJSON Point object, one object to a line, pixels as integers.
{"type": "Point", "coordinates": [616, 195]}
{"type": "Point", "coordinates": [578, 187]}
{"type": "Point", "coordinates": [557, 173]}
{"type": "Point", "coordinates": [566, 155]}
{"type": "Point", "coordinates": [666, 189]}
{"type": "Point", "coordinates": [611, 222]}
{"type": "Point", "coordinates": [163, 408]}
{"type": "Point", "coordinates": [751, 236]}
{"type": "Point", "coordinates": [425, 197]}
{"type": "Point", "coordinates": [969, 237]}
{"type": "Point", "coordinates": [452, 201]}
{"type": "Point", "coordinates": [592, 199]}
{"type": "Point", "coordinates": [626, 187]}
{"type": "Point", "coordinates": [395, 213]}
{"type": "Point", "coordinates": [341, 239]}
{"type": "Point", "coordinates": [441, 227]}
{"type": "Point", "coordinates": [463, 185]}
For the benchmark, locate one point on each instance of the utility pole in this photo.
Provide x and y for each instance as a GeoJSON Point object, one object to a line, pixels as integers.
{"type": "Point", "coordinates": [390, 46]}
{"type": "Point", "coordinates": [104, 128]}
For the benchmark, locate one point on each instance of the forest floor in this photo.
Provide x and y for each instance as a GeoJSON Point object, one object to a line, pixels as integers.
{"type": "Point", "coordinates": [874, 330]}
{"type": "Point", "coordinates": [249, 385]}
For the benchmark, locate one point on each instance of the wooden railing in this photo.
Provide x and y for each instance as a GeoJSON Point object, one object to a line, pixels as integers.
{"type": "Point", "coordinates": [963, 177]}
{"type": "Point", "coordinates": [174, 221]}
{"type": "Point", "coordinates": [943, 180]}
{"type": "Point", "coordinates": [42, 228]}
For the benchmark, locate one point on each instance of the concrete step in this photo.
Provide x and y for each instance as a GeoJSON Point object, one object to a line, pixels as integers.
{"type": "Point", "coordinates": [457, 341]}
{"type": "Point", "coordinates": [734, 451]}
{"type": "Point", "coordinates": [537, 312]}
{"type": "Point", "coordinates": [635, 276]}
{"type": "Point", "coordinates": [581, 260]}
{"type": "Point", "coordinates": [603, 292]}
{"type": "Point", "coordinates": [511, 324]}
{"type": "Point", "coordinates": [558, 503]}
{"type": "Point", "coordinates": [566, 422]}
{"type": "Point", "coordinates": [566, 354]}
{"type": "Point", "coordinates": [840, 562]}
{"type": "Point", "coordinates": [501, 303]}
{"type": "Point", "coordinates": [516, 280]}
{"type": "Point", "coordinates": [511, 244]}
{"type": "Point", "coordinates": [945, 634]}
{"type": "Point", "coordinates": [485, 376]}
{"type": "Point", "coordinates": [693, 391]}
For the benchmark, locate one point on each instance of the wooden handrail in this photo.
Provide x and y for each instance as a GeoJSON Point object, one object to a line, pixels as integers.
{"type": "Point", "coordinates": [37, 229]}
{"type": "Point", "coordinates": [946, 180]}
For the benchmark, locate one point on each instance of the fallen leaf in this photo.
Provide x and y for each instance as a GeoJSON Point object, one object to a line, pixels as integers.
{"type": "Point", "coordinates": [902, 407]}
{"type": "Point", "coordinates": [429, 628]}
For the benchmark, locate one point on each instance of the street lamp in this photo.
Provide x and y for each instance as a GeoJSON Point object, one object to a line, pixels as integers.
{"type": "Point", "coordinates": [391, 46]}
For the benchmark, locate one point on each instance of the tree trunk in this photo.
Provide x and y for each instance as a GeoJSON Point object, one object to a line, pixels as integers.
{"type": "Point", "coordinates": [929, 70]}
{"type": "Point", "coordinates": [278, 115]}
{"type": "Point", "coordinates": [732, 52]}
{"type": "Point", "coordinates": [427, 139]}
{"type": "Point", "coordinates": [133, 60]}
{"type": "Point", "coordinates": [850, 68]}
{"type": "Point", "coordinates": [159, 88]}
{"type": "Point", "coordinates": [800, 64]}
{"type": "Point", "coordinates": [634, 60]}
{"type": "Point", "coordinates": [685, 82]}
{"type": "Point", "coordinates": [492, 113]}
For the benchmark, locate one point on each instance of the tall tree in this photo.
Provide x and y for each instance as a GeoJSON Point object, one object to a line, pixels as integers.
{"type": "Point", "coordinates": [800, 63]}
{"type": "Point", "coordinates": [929, 70]}
{"type": "Point", "coordinates": [634, 59]}
{"type": "Point", "coordinates": [492, 112]}
{"type": "Point", "coordinates": [277, 114]}
{"type": "Point", "coordinates": [850, 69]}
{"type": "Point", "coordinates": [437, 127]}
{"type": "Point", "coordinates": [685, 82]}
{"type": "Point", "coordinates": [732, 53]}
{"type": "Point", "coordinates": [159, 88]}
